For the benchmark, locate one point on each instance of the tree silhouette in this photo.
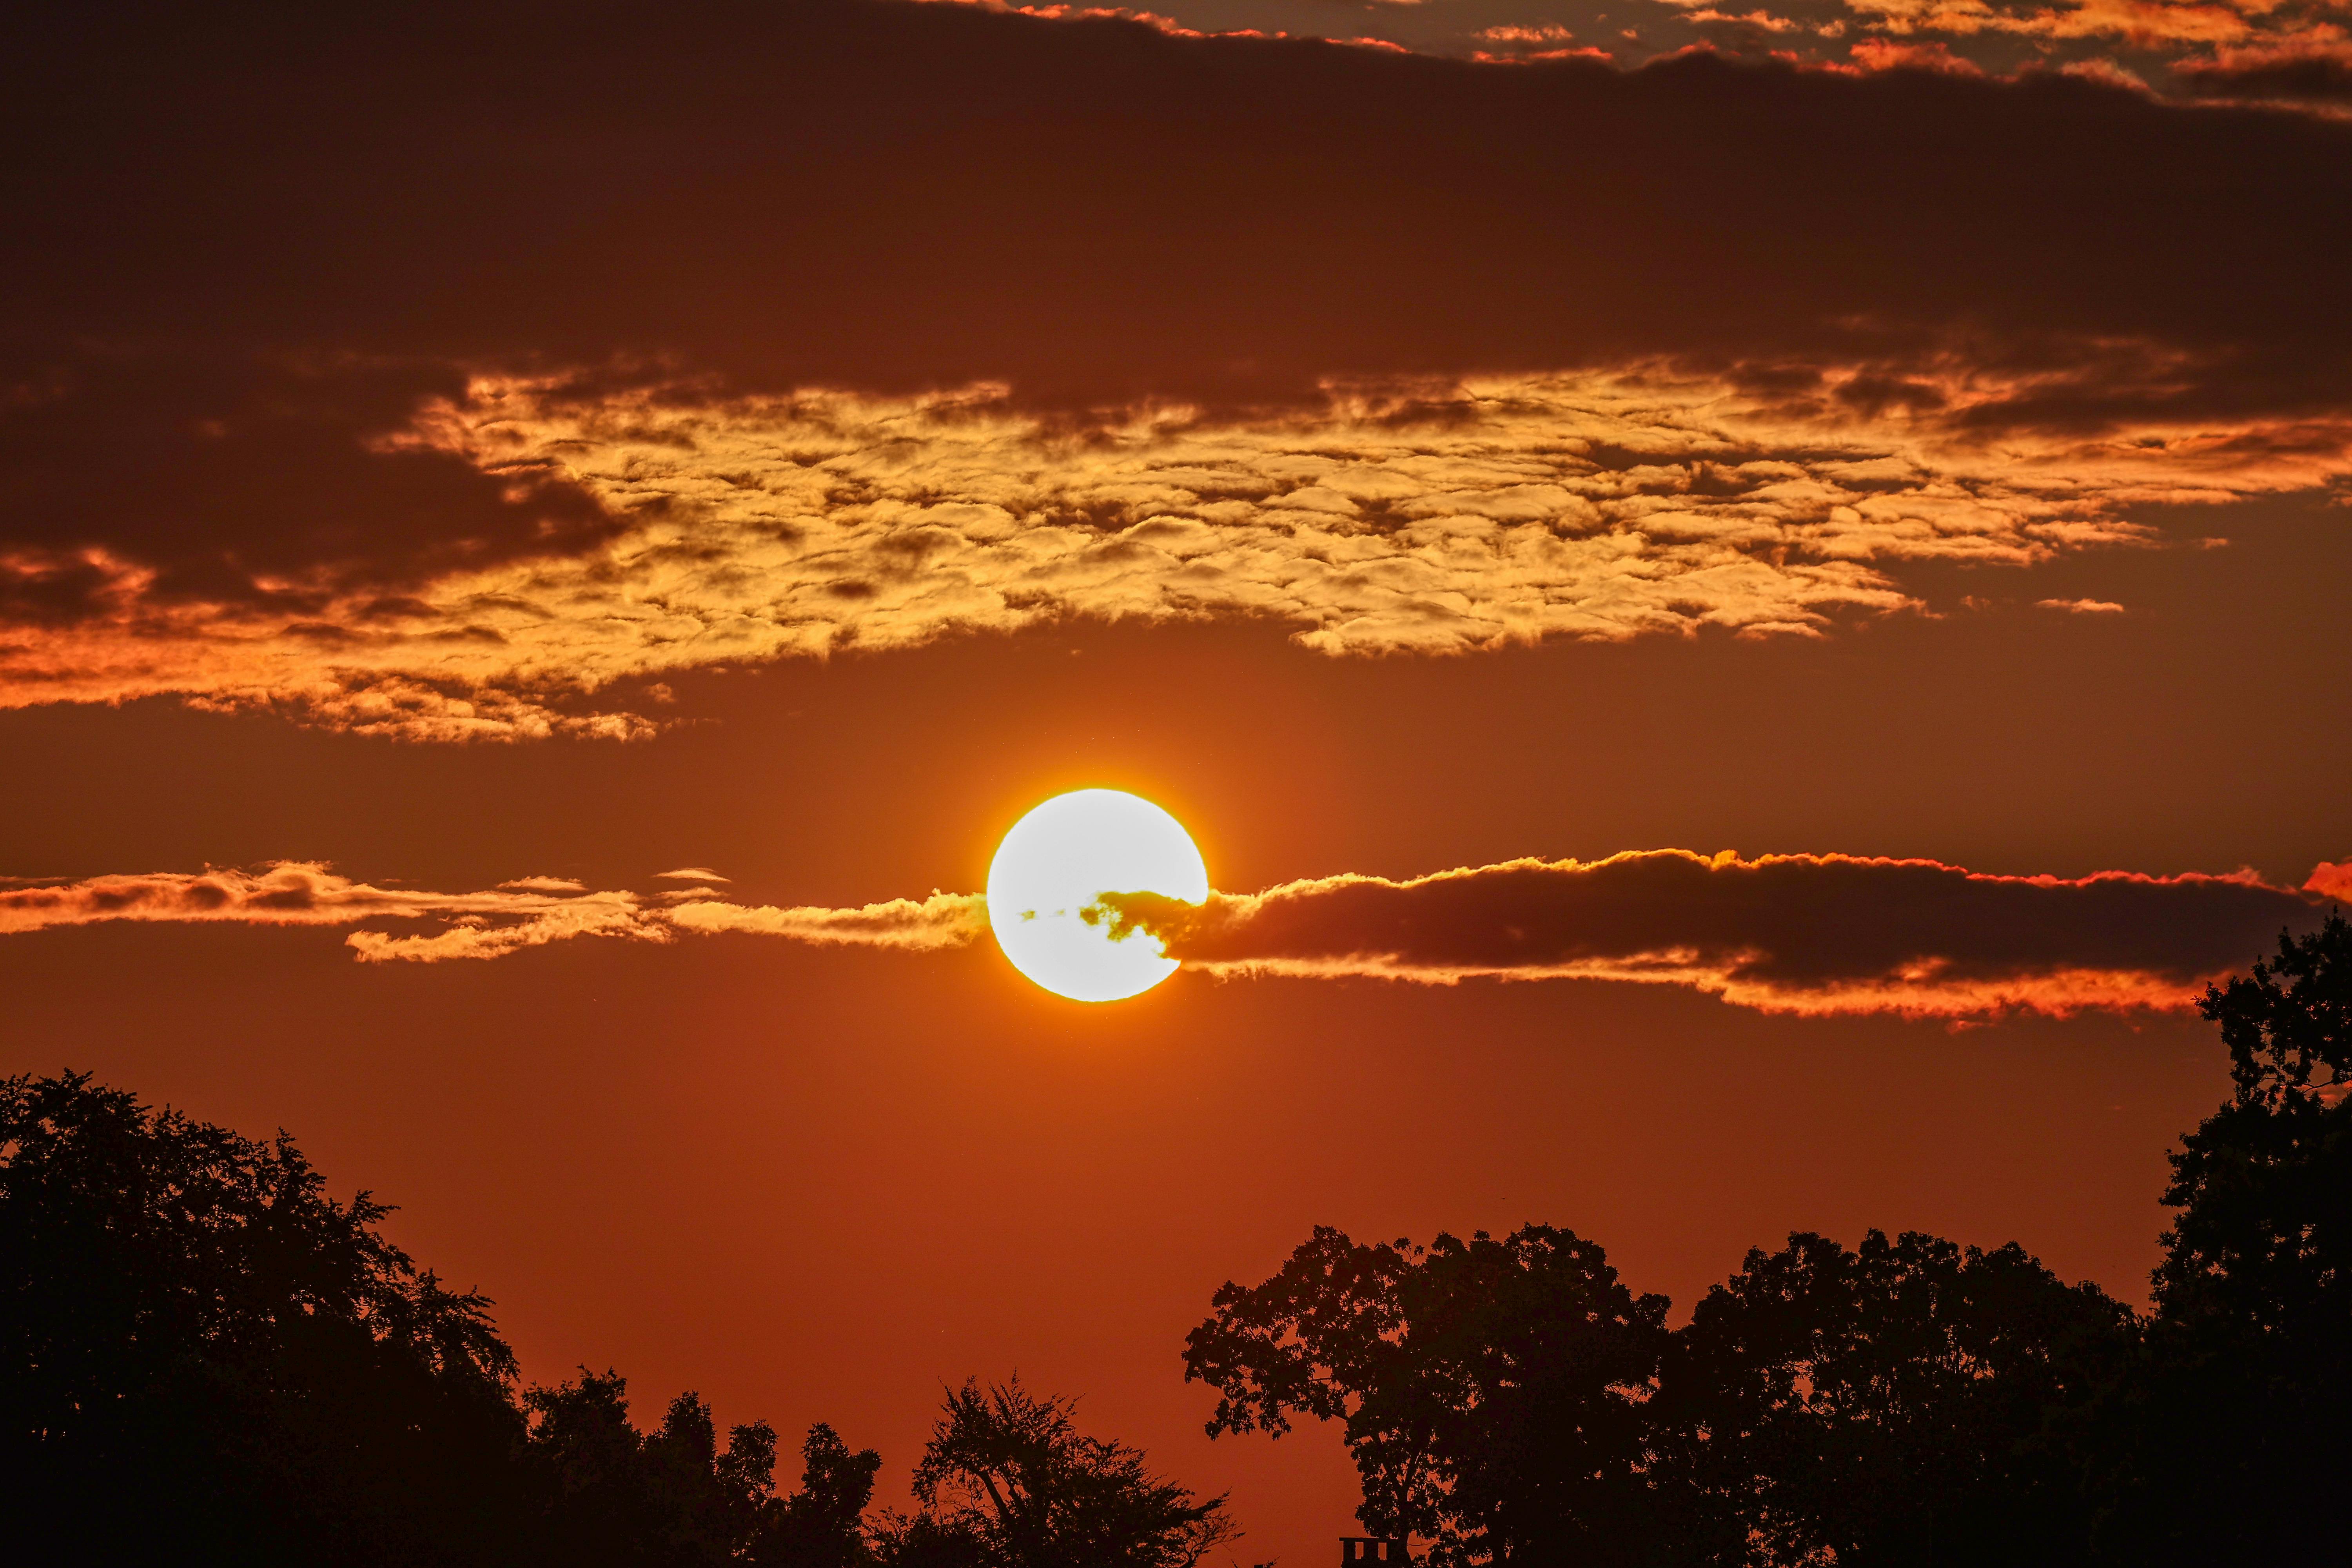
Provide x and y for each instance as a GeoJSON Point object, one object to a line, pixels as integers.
{"type": "Point", "coordinates": [204, 1358]}
{"type": "Point", "coordinates": [2233, 1440]}
{"type": "Point", "coordinates": [675, 1496]}
{"type": "Point", "coordinates": [1492, 1392]}
{"type": "Point", "coordinates": [1889, 1404]}
{"type": "Point", "coordinates": [1008, 1481]}
{"type": "Point", "coordinates": [1908, 1402]}
{"type": "Point", "coordinates": [822, 1524]}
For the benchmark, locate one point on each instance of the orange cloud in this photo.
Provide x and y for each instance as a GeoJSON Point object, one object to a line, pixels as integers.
{"type": "Point", "coordinates": [1431, 521]}
{"type": "Point", "coordinates": [1804, 933]}
{"type": "Point", "coordinates": [528, 912]}
{"type": "Point", "coordinates": [293, 892]}
{"type": "Point", "coordinates": [2145, 23]}
{"type": "Point", "coordinates": [941, 920]}
{"type": "Point", "coordinates": [1882, 54]}
{"type": "Point", "coordinates": [1236, 337]}
{"type": "Point", "coordinates": [2330, 880]}
{"type": "Point", "coordinates": [2312, 65]}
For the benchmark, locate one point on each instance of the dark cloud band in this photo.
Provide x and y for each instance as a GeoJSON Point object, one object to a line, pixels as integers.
{"type": "Point", "coordinates": [891, 197]}
{"type": "Point", "coordinates": [1796, 932]}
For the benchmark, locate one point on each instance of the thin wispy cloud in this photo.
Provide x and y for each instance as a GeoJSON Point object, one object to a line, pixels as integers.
{"type": "Point", "coordinates": [307, 893]}
{"type": "Point", "coordinates": [527, 913]}
{"type": "Point", "coordinates": [941, 920]}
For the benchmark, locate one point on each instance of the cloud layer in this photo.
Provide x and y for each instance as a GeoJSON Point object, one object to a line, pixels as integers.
{"type": "Point", "coordinates": [1463, 517]}
{"type": "Point", "coordinates": [346, 371]}
{"type": "Point", "coordinates": [1805, 933]}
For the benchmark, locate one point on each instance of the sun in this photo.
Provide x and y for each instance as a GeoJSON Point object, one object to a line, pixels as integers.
{"type": "Point", "coordinates": [1062, 857]}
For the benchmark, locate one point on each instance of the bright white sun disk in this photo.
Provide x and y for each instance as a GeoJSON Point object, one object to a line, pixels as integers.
{"type": "Point", "coordinates": [1063, 856]}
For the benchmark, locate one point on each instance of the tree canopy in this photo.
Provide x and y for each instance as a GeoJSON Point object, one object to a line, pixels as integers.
{"type": "Point", "coordinates": [1907, 1402]}
{"type": "Point", "coordinates": [1490, 1391]}
{"type": "Point", "coordinates": [2238, 1428]}
{"type": "Point", "coordinates": [205, 1360]}
{"type": "Point", "coordinates": [187, 1316]}
{"type": "Point", "coordinates": [1009, 1481]}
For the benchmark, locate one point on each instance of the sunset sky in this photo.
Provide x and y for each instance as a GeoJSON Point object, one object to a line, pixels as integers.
{"type": "Point", "coordinates": [1742, 608]}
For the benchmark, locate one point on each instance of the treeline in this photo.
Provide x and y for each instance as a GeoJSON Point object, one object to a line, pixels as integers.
{"type": "Point", "coordinates": [1908, 1402]}
{"type": "Point", "coordinates": [204, 1359]}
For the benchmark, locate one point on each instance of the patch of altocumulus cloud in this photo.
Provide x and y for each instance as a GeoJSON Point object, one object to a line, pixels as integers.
{"type": "Point", "coordinates": [345, 371]}
{"type": "Point", "coordinates": [1807, 933]}
{"type": "Point", "coordinates": [1511, 511]}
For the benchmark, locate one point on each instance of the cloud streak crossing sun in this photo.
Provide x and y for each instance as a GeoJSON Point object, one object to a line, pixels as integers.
{"type": "Point", "coordinates": [1793, 933]}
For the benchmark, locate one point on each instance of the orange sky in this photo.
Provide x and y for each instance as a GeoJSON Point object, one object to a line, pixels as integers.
{"type": "Point", "coordinates": [814, 1183]}
{"type": "Point", "coordinates": [473, 560]}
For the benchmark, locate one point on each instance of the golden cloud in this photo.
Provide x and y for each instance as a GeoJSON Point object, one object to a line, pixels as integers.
{"type": "Point", "coordinates": [1495, 512]}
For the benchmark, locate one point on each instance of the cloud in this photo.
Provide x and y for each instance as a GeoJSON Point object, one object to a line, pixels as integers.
{"type": "Point", "coordinates": [2330, 880]}
{"type": "Point", "coordinates": [1982, 36]}
{"type": "Point", "coordinates": [2146, 22]}
{"type": "Point", "coordinates": [2081, 607]}
{"type": "Point", "coordinates": [941, 920]}
{"type": "Point", "coordinates": [529, 912]}
{"type": "Point", "coordinates": [307, 893]}
{"type": "Point", "coordinates": [691, 874]}
{"type": "Point", "coordinates": [1804, 933]}
{"type": "Point", "coordinates": [779, 329]}
{"type": "Point", "coordinates": [1133, 237]}
{"type": "Point", "coordinates": [1427, 520]}
{"type": "Point", "coordinates": [2313, 67]}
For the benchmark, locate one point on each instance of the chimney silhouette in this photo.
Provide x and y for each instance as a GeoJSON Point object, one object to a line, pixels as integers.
{"type": "Point", "coordinates": [1358, 1549]}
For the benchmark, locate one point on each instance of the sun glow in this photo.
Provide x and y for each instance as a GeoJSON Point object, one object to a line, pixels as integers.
{"type": "Point", "coordinates": [1063, 856]}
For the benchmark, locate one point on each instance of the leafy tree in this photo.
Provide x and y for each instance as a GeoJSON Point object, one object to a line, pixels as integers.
{"type": "Point", "coordinates": [204, 1358]}
{"type": "Point", "coordinates": [2264, 1237]}
{"type": "Point", "coordinates": [1008, 1481]}
{"type": "Point", "coordinates": [822, 1524]}
{"type": "Point", "coordinates": [2288, 1024]}
{"type": "Point", "coordinates": [2236, 1434]}
{"type": "Point", "coordinates": [675, 1496]}
{"type": "Point", "coordinates": [1884, 1406]}
{"type": "Point", "coordinates": [1492, 1392]}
